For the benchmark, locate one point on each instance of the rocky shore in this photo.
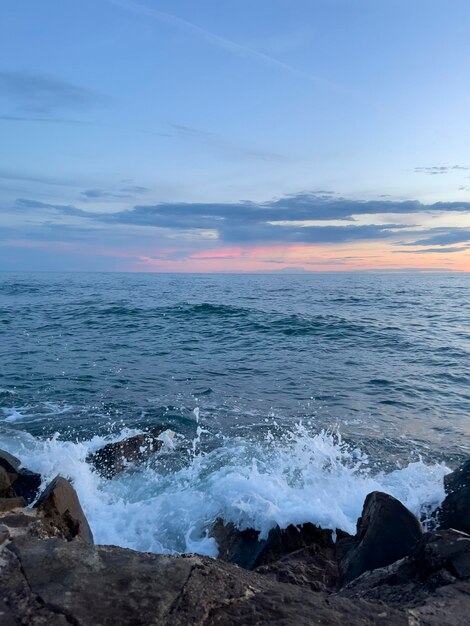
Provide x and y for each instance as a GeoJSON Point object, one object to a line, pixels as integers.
{"type": "Point", "coordinates": [390, 572]}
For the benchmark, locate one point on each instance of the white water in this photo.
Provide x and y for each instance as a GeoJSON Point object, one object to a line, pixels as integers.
{"type": "Point", "coordinates": [168, 507]}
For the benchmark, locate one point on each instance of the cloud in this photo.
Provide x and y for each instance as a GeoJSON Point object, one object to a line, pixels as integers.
{"type": "Point", "coordinates": [440, 169]}
{"type": "Point", "coordinates": [441, 250]}
{"type": "Point", "coordinates": [121, 194]}
{"type": "Point", "coordinates": [42, 94]}
{"type": "Point", "coordinates": [221, 145]}
{"type": "Point", "coordinates": [442, 237]}
{"type": "Point", "coordinates": [228, 45]}
{"type": "Point", "coordinates": [44, 120]}
{"type": "Point", "coordinates": [300, 218]}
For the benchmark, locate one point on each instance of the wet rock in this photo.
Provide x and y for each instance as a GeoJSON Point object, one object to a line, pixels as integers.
{"type": "Point", "coordinates": [304, 555]}
{"type": "Point", "coordinates": [455, 510]}
{"type": "Point", "coordinates": [22, 482]}
{"type": "Point", "coordinates": [62, 512]}
{"type": "Point", "coordinates": [237, 546]}
{"type": "Point", "coordinates": [113, 458]}
{"type": "Point", "coordinates": [72, 583]}
{"type": "Point", "coordinates": [386, 532]}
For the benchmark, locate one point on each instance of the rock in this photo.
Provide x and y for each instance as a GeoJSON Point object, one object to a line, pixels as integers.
{"type": "Point", "coordinates": [386, 532]}
{"type": "Point", "coordinates": [4, 534]}
{"type": "Point", "coordinates": [455, 510]}
{"type": "Point", "coordinates": [237, 546]}
{"type": "Point", "coordinates": [72, 583]}
{"type": "Point", "coordinates": [244, 547]}
{"type": "Point", "coordinates": [440, 558]}
{"type": "Point", "coordinates": [22, 481]}
{"type": "Point", "coordinates": [60, 507]}
{"type": "Point", "coordinates": [113, 458]}
{"type": "Point", "coordinates": [442, 550]}
{"type": "Point", "coordinates": [5, 484]}
{"type": "Point", "coordinates": [314, 567]}
{"type": "Point", "coordinates": [447, 606]}
{"type": "Point", "coordinates": [8, 504]}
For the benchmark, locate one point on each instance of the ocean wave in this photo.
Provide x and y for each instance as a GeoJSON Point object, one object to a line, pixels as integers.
{"type": "Point", "coordinates": [168, 506]}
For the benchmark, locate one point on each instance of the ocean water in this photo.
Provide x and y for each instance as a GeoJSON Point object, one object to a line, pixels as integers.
{"type": "Point", "coordinates": [291, 396]}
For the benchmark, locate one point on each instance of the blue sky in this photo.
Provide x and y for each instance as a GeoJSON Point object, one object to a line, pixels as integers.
{"type": "Point", "coordinates": [211, 135]}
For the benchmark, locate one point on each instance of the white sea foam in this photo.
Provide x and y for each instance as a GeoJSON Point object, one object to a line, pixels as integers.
{"type": "Point", "coordinates": [304, 477]}
{"type": "Point", "coordinates": [12, 415]}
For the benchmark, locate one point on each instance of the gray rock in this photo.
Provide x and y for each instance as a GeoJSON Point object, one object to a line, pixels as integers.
{"type": "Point", "coordinates": [61, 510]}
{"type": "Point", "coordinates": [386, 532]}
{"type": "Point", "coordinates": [76, 583]}
{"type": "Point", "coordinates": [4, 534]}
{"type": "Point", "coordinates": [455, 510]}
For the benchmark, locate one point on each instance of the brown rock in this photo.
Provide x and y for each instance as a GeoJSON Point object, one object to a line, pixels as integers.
{"type": "Point", "coordinates": [113, 458]}
{"type": "Point", "coordinates": [53, 580]}
{"type": "Point", "coordinates": [314, 567]}
{"type": "Point", "coordinates": [61, 509]}
{"type": "Point", "coordinates": [5, 482]}
{"type": "Point", "coordinates": [8, 504]}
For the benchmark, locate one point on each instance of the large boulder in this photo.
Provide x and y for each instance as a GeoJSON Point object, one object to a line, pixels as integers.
{"type": "Point", "coordinates": [455, 510]}
{"type": "Point", "coordinates": [15, 480]}
{"type": "Point", "coordinates": [61, 510]}
{"type": "Point", "coordinates": [386, 531]}
{"type": "Point", "coordinates": [53, 581]}
{"type": "Point", "coordinates": [115, 457]}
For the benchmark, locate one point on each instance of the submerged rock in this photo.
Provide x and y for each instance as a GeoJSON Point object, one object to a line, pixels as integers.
{"type": "Point", "coordinates": [386, 532]}
{"type": "Point", "coordinates": [113, 458]}
{"type": "Point", "coordinates": [455, 510]}
{"type": "Point", "coordinates": [15, 480]}
{"type": "Point", "coordinates": [61, 510]}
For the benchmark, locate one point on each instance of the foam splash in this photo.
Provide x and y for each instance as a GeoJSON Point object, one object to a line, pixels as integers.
{"type": "Point", "coordinates": [168, 507]}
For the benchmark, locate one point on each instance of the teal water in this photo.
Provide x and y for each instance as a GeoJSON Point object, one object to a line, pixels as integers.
{"type": "Point", "coordinates": [301, 375]}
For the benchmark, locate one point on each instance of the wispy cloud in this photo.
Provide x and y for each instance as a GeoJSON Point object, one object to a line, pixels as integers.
{"type": "Point", "coordinates": [437, 170]}
{"type": "Point", "coordinates": [221, 145]}
{"type": "Point", "coordinates": [42, 94]}
{"type": "Point", "coordinates": [230, 46]}
{"type": "Point", "coordinates": [40, 119]}
{"type": "Point", "coordinates": [121, 194]}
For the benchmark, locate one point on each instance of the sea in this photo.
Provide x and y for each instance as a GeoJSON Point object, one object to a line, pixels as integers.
{"type": "Point", "coordinates": [282, 398]}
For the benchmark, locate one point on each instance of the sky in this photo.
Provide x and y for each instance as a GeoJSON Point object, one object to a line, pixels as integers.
{"type": "Point", "coordinates": [235, 135]}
